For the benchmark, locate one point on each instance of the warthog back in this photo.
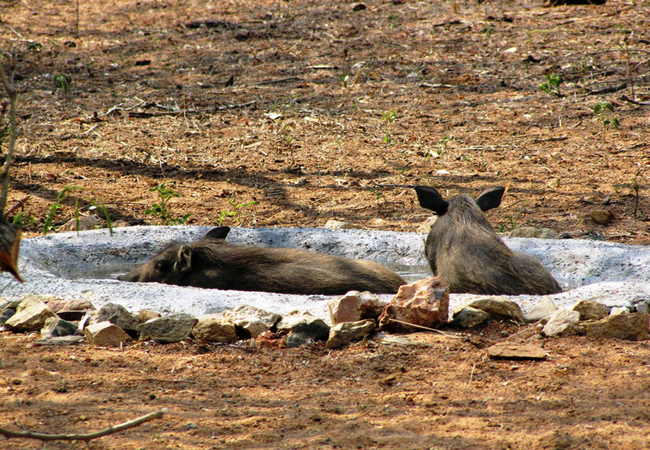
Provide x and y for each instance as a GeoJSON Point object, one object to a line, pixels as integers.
{"type": "Point", "coordinates": [464, 250]}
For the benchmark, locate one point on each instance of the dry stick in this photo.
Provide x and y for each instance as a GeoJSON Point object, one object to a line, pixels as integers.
{"type": "Point", "coordinates": [455, 336]}
{"type": "Point", "coordinates": [471, 375]}
{"type": "Point", "coordinates": [84, 437]}
{"type": "Point", "coordinates": [19, 204]}
{"type": "Point", "coordinates": [4, 175]}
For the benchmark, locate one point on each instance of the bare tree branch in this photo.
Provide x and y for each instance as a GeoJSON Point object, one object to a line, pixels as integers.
{"type": "Point", "coordinates": [84, 437]}
{"type": "Point", "coordinates": [4, 173]}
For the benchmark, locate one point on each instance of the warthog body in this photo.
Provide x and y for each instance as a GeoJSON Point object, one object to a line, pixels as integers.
{"type": "Point", "coordinates": [213, 263]}
{"type": "Point", "coordinates": [464, 250]}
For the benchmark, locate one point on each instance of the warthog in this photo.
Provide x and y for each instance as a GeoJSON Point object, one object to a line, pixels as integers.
{"type": "Point", "coordinates": [464, 250]}
{"type": "Point", "coordinates": [213, 263]}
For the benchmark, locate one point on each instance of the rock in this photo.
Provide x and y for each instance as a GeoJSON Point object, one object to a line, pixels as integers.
{"type": "Point", "coordinates": [619, 310]}
{"type": "Point", "coordinates": [6, 314]}
{"type": "Point", "coordinates": [424, 302]}
{"type": "Point", "coordinates": [61, 340]}
{"type": "Point", "coordinates": [7, 309]}
{"type": "Point", "coordinates": [591, 310]}
{"type": "Point", "coordinates": [145, 315]}
{"type": "Point", "coordinates": [500, 308]}
{"type": "Point", "coordinates": [214, 328]}
{"type": "Point", "coordinates": [469, 317]}
{"type": "Point", "coordinates": [308, 332]}
{"type": "Point", "coordinates": [106, 334]}
{"type": "Point", "coordinates": [602, 216]}
{"type": "Point", "coordinates": [84, 223]}
{"type": "Point", "coordinates": [358, 7]}
{"type": "Point", "coordinates": [562, 323]}
{"type": "Point", "coordinates": [532, 232]}
{"type": "Point", "coordinates": [355, 306]}
{"type": "Point", "coordinates": [346, 332]}
{"type": "Point", "coordinates": [31, 314]}
{"type": "Point", "coordinates": [516, 351]}
{"type": "Point", "coordinates": [70, 310]}
{"type": "Point", "coordinates": [638, 307]}
{"type": "Point", "coordinates": [339, 225]}
{"type": "Point", "coordinates": [117, 315]}
{"type": "Point", "coordinates": [630, 327]}
{"type": "Point", "coordinates": [77, 304]}
{"type": "Point", "coordinates": [270, 339]}
{"type": "Point", "coordinates": [166, 330]}
{"type": "Point", "coordinates": [292, 318]}
{"type": "Point", "coordinates": [13, 304]}
{"type": "Point", "coordinates": [541, 310]}
{"type": "Point", "coordinates": [56, 327]}
{"type": "Point", "coordinates": [252, 320]}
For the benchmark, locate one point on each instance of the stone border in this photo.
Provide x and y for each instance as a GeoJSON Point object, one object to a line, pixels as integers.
{"type": "Point", "coordinates": [613, 274]}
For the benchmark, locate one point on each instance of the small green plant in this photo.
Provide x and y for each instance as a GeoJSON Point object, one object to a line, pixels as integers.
{"type": "Point", "coordinates": [161, 209]}
{"type": "Point", "coordinates": [510, 226]}
{"type": "Point", "coordinates": [487, 31]}
{"type": "Point", "coordinates": [23, 221]}
{"type": "Point", "coordinates": [552, 85]}
{"type": "Point", "coordinates": [63, 83]}
{"type": "Point", "coordinates": [605, 112]}
{"type": "Point", "coordinates": [344, 80]}
{"type": "Point", "coordinates": [101, 207]}
{"type": "Point", "coordinates": [48, 222]}
{"type": "Point", "coordinates": [388, 117]}
{"type": "Point", "coordinates": [236, 213]}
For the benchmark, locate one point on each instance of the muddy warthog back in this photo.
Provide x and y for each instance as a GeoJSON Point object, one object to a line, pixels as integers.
{"type": "Point", "coordinates": [464, 250]}
{"type": "Point", "coordinates": [213, 263]}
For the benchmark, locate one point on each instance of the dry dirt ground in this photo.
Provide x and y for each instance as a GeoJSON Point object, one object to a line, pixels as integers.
{"type": "Point", "coordinates": [291, 113]}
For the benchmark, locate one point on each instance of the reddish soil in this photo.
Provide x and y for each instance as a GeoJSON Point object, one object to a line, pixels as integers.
{"type": "Point", "coordinates": [319, 110]}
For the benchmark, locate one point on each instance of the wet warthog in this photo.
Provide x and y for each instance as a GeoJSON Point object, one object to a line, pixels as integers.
{"type": "Point", "coordinates": [464, 250]}
{"type": "Point", "coordinates": [213, 263]}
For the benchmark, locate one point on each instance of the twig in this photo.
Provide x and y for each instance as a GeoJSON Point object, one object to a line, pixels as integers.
{"type": "Point", "coordinates": [279, 80]}
{"type": "Point", "coordinates": [84, 437]}
{"type": "Point", "coordinates": [451, 335]}
{"type": "Point", "coordinates": [19, 204]}
{"type": "Point", "coordinates": [471, 375]}
{"type": "Point", "coordinates": [4, 175]}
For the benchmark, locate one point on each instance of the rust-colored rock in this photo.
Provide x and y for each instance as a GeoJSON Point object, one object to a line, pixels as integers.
{"type": "Point", "coordinates": [424, 302]}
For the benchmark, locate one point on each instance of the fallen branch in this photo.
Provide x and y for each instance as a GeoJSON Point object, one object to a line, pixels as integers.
{"type": "Point", "coordinates": [19, 204]}
{"type": "Point", "coordinates": [84, 437]}
{"type": "Point", "coordinates": [451, 335]}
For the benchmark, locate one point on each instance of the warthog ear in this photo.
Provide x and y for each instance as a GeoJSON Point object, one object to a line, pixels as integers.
{"type": "Point", "coordinates": [490, 198]}
{"type": "Point", "coordinates": [183, 259]}
{"type": "Point", "coordinates": [431, 199]}
{"type": "Point", "coordinates": [217, 233]}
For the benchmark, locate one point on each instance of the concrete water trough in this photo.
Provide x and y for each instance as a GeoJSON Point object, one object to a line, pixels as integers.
{"type": "Point", "coordinates": [85, 264]}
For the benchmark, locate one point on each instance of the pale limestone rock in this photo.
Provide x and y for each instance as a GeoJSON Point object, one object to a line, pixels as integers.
{"type": "Point", "coordinates": [355, 306]}
{"type": "Point", "coordinates": [540, 311]}
{"type": "Point", "coordinates": [347, 332]}
{"type": "Point", "coordinates": [562, 323]}
{"type": "Point", "coordinates": [106, 334]}
{"type": "Point", "coordinates": [214, 328]}
{"type": "Point", "coordinates": [31, 314]}
{"type": "Point", "coordinates": [253, 320]}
